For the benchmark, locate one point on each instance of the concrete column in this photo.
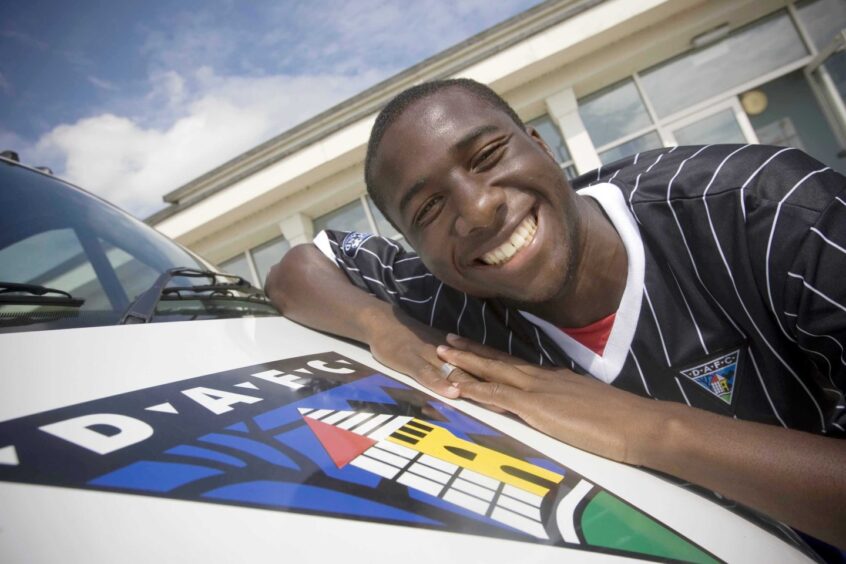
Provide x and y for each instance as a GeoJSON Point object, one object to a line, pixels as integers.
{"type": "Point", "coordinates": [297, 229]}
{"type": "Point", "coordinates": [564, 111]}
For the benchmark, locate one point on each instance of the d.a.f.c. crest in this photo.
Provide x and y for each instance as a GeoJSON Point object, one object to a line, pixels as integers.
{"type": "Point", "coordinates": [717, 375]}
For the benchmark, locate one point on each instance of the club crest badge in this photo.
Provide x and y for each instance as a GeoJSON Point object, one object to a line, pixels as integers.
{"type": "Point", "coordinates": [717, 375]}
{"type": "Point", "coordinates": [353, 241]}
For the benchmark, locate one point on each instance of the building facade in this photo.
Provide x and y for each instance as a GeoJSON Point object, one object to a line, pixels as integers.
{"type": "Point", "coordinates": [599, 79]}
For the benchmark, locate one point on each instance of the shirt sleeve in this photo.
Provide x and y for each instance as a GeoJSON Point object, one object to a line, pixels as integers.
{"type": "Point", "coordinates": [382, 268]}
{"type": "Point", "coordinates": [815, 291]}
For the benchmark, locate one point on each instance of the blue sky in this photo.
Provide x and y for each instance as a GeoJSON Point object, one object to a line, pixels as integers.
{"type": "Point", "coordinates": [132, 99]}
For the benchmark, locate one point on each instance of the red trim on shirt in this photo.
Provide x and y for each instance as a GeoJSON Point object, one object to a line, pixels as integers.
{"type": "Point", "coordinates": [593, 336]}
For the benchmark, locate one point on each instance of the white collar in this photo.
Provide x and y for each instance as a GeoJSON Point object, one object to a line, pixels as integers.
{"type": "Point", "coordinates": [608, 366]}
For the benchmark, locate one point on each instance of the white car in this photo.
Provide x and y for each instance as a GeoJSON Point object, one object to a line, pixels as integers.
{"type": "Point", "coordinates": [152, 410]}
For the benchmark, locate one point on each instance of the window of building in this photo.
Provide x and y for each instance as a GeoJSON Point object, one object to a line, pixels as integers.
{"type": "Point", "coordinates": [752, 51]}
{"type": "Point", "coordinates": [693, 98]}
{"type": "Point", "coordinates": [614, 112]}
{"type": "Point", "coordinates": [239, 266]}
{"type": "Point", "coordinates": [359, 215]}
{"type": "Point", "coordinates": [351, 217]}
{"type": "Point", "coordinates": [550, 133]}
{"type": "Point", "coordinates": [268, 254]}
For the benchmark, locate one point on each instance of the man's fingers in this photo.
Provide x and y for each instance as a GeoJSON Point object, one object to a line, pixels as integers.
{"type": "Point", "coordinates": [495, 394]}
{"type": "Point", "coordinates": [486, 368]}
{"type": "Point", "coordinates": [432, 378]}
{"type": "Point", "coordinates": [465, 344]}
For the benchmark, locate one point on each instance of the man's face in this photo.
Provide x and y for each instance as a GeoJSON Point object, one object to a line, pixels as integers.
{"type": "Point", "coordinates": [480, 199]}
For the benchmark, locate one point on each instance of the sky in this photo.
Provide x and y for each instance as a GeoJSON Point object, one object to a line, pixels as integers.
{"type": "Point", "coordinates": [133, 99]}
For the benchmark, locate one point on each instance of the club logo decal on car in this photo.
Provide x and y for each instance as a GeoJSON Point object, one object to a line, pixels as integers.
{"type": "Point", "coordinates": [325, 435]}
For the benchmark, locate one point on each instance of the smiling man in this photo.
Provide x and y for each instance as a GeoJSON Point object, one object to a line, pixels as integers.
{"type": "Point", "coordinates": [704, 278]}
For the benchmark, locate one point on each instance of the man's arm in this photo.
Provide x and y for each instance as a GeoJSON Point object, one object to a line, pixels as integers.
{"type": "Point", "coordinates": [306, 287]}
{"type": "Point", "coordinates": [793, 476]}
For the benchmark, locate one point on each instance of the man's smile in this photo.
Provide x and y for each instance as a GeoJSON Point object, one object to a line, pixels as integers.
{"type": "Point", "coordinates": [519, 239]}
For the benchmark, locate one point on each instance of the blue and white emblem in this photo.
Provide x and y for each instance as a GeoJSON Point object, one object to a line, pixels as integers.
{"type": "Point", "coordinates": [716, 376]}
{"type": "Point", "coordinates": [353, 241]}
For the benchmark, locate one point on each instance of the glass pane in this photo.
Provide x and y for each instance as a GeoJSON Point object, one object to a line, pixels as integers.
{"type": "Point", "coordinates": [350, 217]}
{"type": "Point", "coordinates": [552, 136]}
{"type": "Point", "coordinates": [823, 19]}
{"type": "Point", "coordinates": [721, 127]}
{"type": "Point", "coordinates": [134, 276]}
{"type": "Point", "coordinates": [237, 265]}
{"type": "Point", "coordinates": [629, 148]}
{"type": "Point", "coordinates": [748, 53]}
{"type": "Point", "coordinates": [613, 113]}
{"type": "Point", "coordinates": [55, 259]}
{"type": "Point", "coordinates": [382, 224]}
{"type": "Point", "coordinates": [268, 254]}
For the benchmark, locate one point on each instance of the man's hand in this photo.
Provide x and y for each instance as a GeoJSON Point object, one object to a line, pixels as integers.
{"type": "Point", "coordinates": [793, 476]}
{"type": "Point", "coordinates": [578, 410]}
{"type": "Point", "coordinates": [307, 288]}
{"type": "Point", "coordinates": [408, 346]}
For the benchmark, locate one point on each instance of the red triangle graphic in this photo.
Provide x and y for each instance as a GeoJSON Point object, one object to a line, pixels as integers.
{"type": "Point", "coordinates": [341, 445]}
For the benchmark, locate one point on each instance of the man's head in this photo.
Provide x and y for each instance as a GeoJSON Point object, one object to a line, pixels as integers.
{"type": "Point", "coordinates": [475, 192]}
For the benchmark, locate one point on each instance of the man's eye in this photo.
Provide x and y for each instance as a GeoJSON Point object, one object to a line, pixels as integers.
{"type": "Point", "coordinates": [427, 211]}
{"type": "Point", "coordinates": [488, 156]}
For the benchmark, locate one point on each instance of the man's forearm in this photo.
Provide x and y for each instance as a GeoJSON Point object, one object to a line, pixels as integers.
{"type": "Point", "coordinates": [306, 287]}
{"type": "Point", "coordinates": [795, 477]}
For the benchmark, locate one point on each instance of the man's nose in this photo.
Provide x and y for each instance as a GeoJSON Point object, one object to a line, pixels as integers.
{"type": "Point", "coordinates": [478, 207]}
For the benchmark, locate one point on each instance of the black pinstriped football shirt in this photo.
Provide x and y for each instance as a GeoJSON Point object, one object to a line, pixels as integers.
{"type": "Point", "coordinates": [735, 299]}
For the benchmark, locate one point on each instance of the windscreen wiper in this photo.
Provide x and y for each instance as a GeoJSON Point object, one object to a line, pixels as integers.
{"type": "Point", "coordinates": [141, 310]}
{"type": "Point", "coordinates": [33, 294]}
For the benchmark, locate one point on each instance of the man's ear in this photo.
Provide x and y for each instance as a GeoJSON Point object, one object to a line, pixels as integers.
{"type": "Point", "coordinates": [536, 137]}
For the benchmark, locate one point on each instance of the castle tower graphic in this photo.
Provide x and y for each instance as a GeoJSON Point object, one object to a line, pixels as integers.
{"type": "Point", "coordinates": [524, 496]}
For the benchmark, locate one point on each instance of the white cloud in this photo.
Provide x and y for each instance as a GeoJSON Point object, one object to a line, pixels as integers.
{"type": "Point", "coordinates": [190, 116]}
{"type": "Point", "coordinates": [132, 165]}
{"type": "Point", "coordinates": [101, 83]}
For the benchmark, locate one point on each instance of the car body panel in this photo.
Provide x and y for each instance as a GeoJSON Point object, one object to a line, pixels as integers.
{"type": "Point", "coordinates": [46, 374]}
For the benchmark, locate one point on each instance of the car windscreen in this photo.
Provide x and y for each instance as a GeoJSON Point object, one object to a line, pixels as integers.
{"type": "Point", "coordinates": [58, 238]}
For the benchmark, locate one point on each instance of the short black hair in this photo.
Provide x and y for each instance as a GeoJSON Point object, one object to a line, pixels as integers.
{"type": "Point", "coordinates": [397, 106]}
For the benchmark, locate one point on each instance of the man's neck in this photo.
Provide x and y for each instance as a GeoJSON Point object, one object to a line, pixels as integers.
{"type": "Point", "coordinates": [596, 287]}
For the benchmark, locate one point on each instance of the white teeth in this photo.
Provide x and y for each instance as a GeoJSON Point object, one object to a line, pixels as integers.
{"type": "Point", "coordinates": [522, 236]}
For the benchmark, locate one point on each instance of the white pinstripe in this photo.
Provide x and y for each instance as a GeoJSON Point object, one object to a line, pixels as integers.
{"type": "Point", "coordinates": [695, 325]}
{"type": "Point", "coordinates": [829, 241]}
{"type": "Point", "coordinates": [639, 371]}
{"type": "Point", "coordinates": [428, 274]}
{"type": "Point", "coordinates": [435, 303]}
{"type": "Point", "coordinates": [369, 279]}
{"type": "Point", "coordinates": [634, 162]}
{"type": "Point", "coordinates": [754, 174]}
{"type": "Point", "coordinates": [817, 292]}
{"type": "Point", "coordinates": [540, 345]}
{"type": "Point", "coordinates": [637, 182]}
{"type": "Point", "coordinates": [660, 334]}
{"type": "Point", "coordinates": [460, 315]}
{"type": "Point", "coordinates": [770, 246]}
{"type": "Point", "coordinates": [687, 247]}
{"type": "Point", "coordinates": [406, 259]}
{"type": "Point", "coordinates": [684, 395]}
{"type": "Point", "coordinates": [836, 342]}
{"type": "Point", "coordinates": [427, 300]}
{"type": "Point", "coordinates": [764, 387]}
{"type": "Point", "coordinates": [379, 260]}
{"type": "Point", "coordinates": [749, 315]}
{"type": "Point", "coordinates": [839, 200]}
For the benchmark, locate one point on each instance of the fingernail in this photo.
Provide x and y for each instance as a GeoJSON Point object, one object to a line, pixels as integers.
{"type": "Point", "coordinates": [453, 338]}
{"type": "Point", "coordinates": [442, 349]}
